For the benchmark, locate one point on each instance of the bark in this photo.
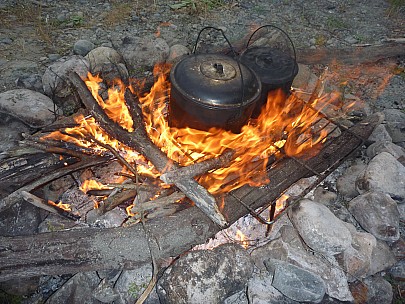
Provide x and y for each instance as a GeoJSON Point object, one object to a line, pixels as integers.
{"type": "Point", "coordinates": [96, 249]}
{"type": "Point", "coordinates": [140, 141]}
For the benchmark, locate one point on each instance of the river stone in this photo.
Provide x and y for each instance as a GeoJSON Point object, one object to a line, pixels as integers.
{"type": "Point", "coordinates": [324, 196]}
{"type": "Point", "coordinates": [82, 47]}
{"type": "Point", "coordinates": [320, 228]}
{"type": "Point", "coordinates": [356, 259]}
{"type": "Point", "coordinates": [32, 108]}
{"type": "Point", "coordinates": [176, 52]}
{"type": "Point", "coordinates": [379, 133]}
{"type": "Point", "coordinates": [206, 276]}
{"type": "Point", "coordinates": [382, 258]}
{"type": "Point", "coordinates": [386, 146]}
{"type": "Point", "coordinates": [295, 282]}
{"type": "Point", "coordinates": [395, 124]}
{"type": "Point", "coordinates": [378, 214]}
{"type": "Point", "coordinates": [57, 85]}
{"type": "Point", "coordinates": [11, 130]}
{"type": "Point", "coordinates": [78, 289]}
{"type": "Point", "coordinates": [260, 290]}
{"type": "Point", "coordinates": [378, 290]}
{"type": "Point", "coordinates": [289, 247]}
{"type": "Point", "coordinates": [145, 53]}
{"type": "Point", "coordinates": [237, 298]}
{"type": "Point", "coordinates": [20, 219]}
{"type": "Point", "coordinates": [346, 183]}
{"type": "Point", "coordinates": [102, 55]}
{"type": "Point", "coordinates": [384, 174]}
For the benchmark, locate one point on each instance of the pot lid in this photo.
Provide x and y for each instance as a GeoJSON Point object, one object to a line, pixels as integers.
{"type": "Point", "coordinates": [215, 80]}
{"type": "Point", "coordinates": [272, 65]}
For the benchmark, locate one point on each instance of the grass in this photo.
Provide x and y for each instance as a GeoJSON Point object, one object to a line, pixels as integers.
{"type": "Point", "coordinates": [395, 6]}
{"type": "Point", "coordinates": [197, 6]}
{"type": "Point", "coordinates": [119, 11]}
{"type": "Point", "coordinates": [335, 23]}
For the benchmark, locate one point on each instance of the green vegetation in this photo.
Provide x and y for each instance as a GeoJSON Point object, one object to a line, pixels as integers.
{"type": "Point", "coordinates": [334, 23]}
{"type": "Point", "coordinates": [395, 6]}
{"type": "Point", "coordinates": [197, 5]}
{"type": "Point", "coordinates": [135, 290]}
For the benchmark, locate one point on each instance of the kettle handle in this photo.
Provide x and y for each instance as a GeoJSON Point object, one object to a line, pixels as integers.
{"type": "Point", "coordinates": [277, 28]}
{"type": "Point", "coordinates": [232, 50]}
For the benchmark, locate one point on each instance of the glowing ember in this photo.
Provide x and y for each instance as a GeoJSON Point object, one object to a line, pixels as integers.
{"type": "Point", "coordinates": [60, 205]}
{"type": "Point", "coordinates": [284, 123]}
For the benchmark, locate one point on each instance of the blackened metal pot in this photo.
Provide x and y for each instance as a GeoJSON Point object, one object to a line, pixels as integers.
{"type": "Point", "coordinates": [275, 67]}
{"type": "Point", "coordinates": [212, 90]}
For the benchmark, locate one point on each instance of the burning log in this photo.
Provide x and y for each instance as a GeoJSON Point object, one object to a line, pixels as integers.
{"type": "Point", "coordinates": [140, 141]}
{"type": "Point", "coordinates": [95, 249]}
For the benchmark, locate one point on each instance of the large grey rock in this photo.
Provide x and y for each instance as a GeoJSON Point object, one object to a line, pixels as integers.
{"type": "Point", "coordinates": [382, 258]}
{"type": "Point", "coordinates": [289, 247]}
{"type": "Point", "coordinates": [33, 108]}
{"type": "Point", "coordinates": [384, 174]}
{"type": "Point", "coordinates": [237, 298]}
{"type": "Point", "coordinates": [386, 146]}
{"type": "Point", "coordinates": [56, 82]}
{"type": "Point", "coordinates": [320, 228]}
{"type": "Point", "coordinates": [378, 214]}
{"type": "Point", "coordinates": [260, 290]}
{"type": "Point", "coordinates": [82, 47]}
{"type": "Point", "coordinates": [77, 289]}
{"type": "Point", "coordinates": [21, 219]}
{"type": "Point", "coordinates": [206, 276]}
{"type": "Point", "coordinates": [356, 259]}
{"type": "Point", "coordinates": [398, 270]}
{"type": "Point", "coordinates": [176, 52]}
{"type": "Point", "coordinates": [295, 282]}
{"type": "Point", "coordinates": [378, 290]}
{"type": "Point", "coordinates": [101, 56]}
{"type": "Point", "coordinates": [395, 124]}
{"type": "Point", "coordinates": [379, 133]}
{"type": "Point", "coordinates": [11, 130]}
{"type": "Point", "coordinates": [145, 53]}
{"type": "Point", "coordinates": [346, 183]}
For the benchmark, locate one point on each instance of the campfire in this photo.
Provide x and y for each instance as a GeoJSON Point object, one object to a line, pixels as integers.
{"type": "Point", "coordinates": [286, 126]}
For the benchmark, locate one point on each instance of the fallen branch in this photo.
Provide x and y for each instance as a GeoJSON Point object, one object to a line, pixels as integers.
{"type": "Point", "coordinates": [197, 169]}
{"type": "Point", "coordinates": [140, 141]}
{"type": "Point", "coordinates": [94, 249]}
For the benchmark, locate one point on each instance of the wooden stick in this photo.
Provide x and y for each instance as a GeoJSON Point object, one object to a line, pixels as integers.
{"type": "Point", "coordinates": [139, 141]}
{"type": "Point", "coordinates": [40, 203]}
{"type": "Point", "coordinates": [197, 169]}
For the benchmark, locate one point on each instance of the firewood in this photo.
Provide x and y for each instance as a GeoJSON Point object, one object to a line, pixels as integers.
{"type": "Point", "coordinates": [140, 141]}
{"type": "Point", "coordinates": [197, 169]}
{"type": "Point", "coordinates": [94, 249]}
{"type": "Point", "coordinates": [40, 203]}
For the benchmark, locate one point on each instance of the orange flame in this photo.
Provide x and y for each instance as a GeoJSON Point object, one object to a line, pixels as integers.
{"type": "Point", "coordinates": [283, 123]}
{"type": "Point", "coordinates": [242, 239]}
{"type": "Point", "coordinates": [92, 184]}
{"type": "Point", "coordinates": [60, 205]}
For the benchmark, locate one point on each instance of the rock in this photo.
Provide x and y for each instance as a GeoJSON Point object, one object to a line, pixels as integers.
{"type": "Point", "coordinates": [102, 55]}
{"type": "Point", "coordinates": [33, 108]}
{"type": "Point", "coordinates": [237, 298]}
{"type": "Point", "coordinates": [56, 82]}
{"type": "Point", "coordinates": [77, 289]}
{"type": "Point", "coordinates": [378, 214]}
{"type": "Point", "coordinates": [288, 247]}
{"type": "Point", "coordinates": [378, 290]}
{"type": "Point", "coordinates": [145, 53]}
{"type": "Point", "coordinates": [105, 292]}
{"type": "Point", "coordinates": [113, 218]}
{"type": "Point", "coordinates": [386, 146]}
{"type": "Point", "coordinates": [384, 174]}
{"type": "Point", "coordinates": [356, 259]}
{"type": "Point", "coordinates": [295, 282]}
{"type": "Point", "coordinates": [20, 219]}
{"type": "Point", "coordinates": [398, 248]}
{"type": "Point", "coordinates": [176, 52]}
{"type": "Point", "coordinates": [346, 183]}
{"type": "Point", "coordinates": [382, 258]}
{"type": "Point", "coordinates": [110, 72]}
{"type": "Point", "coordinates": [260, 291]}
{"type": "Point", "coordinates": [320, 228]}
{"type": "Point", "coordinates": [20, 287]}
{"type": "Point", "coordinates": [324, 196]}
{"type": "Point", "coordinates": [395, 124]}
{"type": "Point", "coordinates": [31, 82]}
{"type": "Point", "coordinates": [131, 283]}
{"type": "Point", "coordinates": [11, 130]}
{"type": "Point", "coordinates": [206, 276]}
{"type": "Point", "coordinates": [82, 47]}
{"type": "Point", "coordinates": [380, 133]}
{"type": "Point", "coordinates": [398, 270]}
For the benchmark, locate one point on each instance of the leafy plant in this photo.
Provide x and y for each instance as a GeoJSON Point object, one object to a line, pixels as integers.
{"type": "Point", "coordinates": [77, 20]}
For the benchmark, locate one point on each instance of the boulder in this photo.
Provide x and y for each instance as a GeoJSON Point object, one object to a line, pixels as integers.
{"type": "Point", "coordinates": [346, 183]}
